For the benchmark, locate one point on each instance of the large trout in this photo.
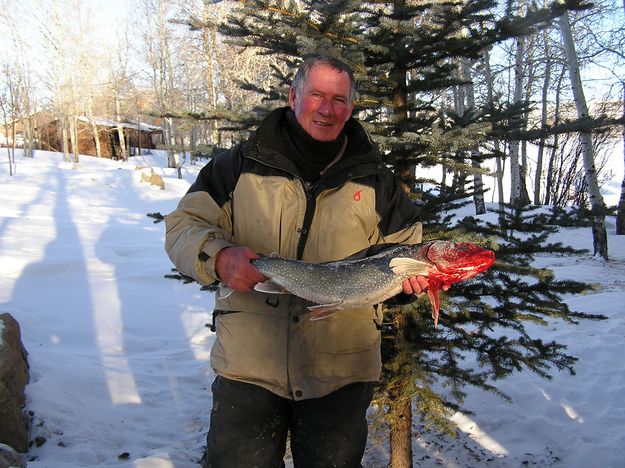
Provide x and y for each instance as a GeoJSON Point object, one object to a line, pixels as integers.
{"type": "Point", "coordinates": [350, 284]}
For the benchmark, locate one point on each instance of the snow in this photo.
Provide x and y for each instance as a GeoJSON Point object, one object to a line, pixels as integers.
{"type": "Point", "coordinates": [119, 354]}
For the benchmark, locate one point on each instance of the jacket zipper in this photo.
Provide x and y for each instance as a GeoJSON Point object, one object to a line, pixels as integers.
{"type": "Point", "coordinates": [311, 204]}
{"type": "Point", "coordinates": [311, 192]}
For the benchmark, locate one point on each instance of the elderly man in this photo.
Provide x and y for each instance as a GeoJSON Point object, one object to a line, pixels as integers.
{"type": "Point", "coordinates": [308, 184]}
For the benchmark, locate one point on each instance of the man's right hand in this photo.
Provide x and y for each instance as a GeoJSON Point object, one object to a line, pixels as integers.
{"type": "Point", "coordinates": [234, 269]}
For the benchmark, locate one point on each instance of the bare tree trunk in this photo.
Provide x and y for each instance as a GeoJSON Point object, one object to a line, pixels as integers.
{"type": "Point", "coordinates": [401, 428]}
{"type": "Point", "coordinates": [478, 183]}
{"type": "Point", "coordinates": [13, 135]}
{"type": "Point", "coordinates": [543, 120]}
{"type": "Point", "coordinates": [620, 213]}
{"type": "Point", "coordinates": [529, 60]}
{"type": "Point", "coordinates": [515, 166]}
{"type": "Point", "coordinates": [209, 46]}
{"type": "Point", "coordinates": [458, 184]}
{"type": "Point", "coordinates": [173, 159]}
{"type": "Point", "coordinates": [401, 416]}
{"type": "Point", "coordinates": [94, 128]}
{"type": "Point", "coordinates": [491, 102]}
{"type": "Point", "coordinates": [599, 234]}
{"type": "Point", "coordinates": [518, 188]}
{"type": "Point", "coordinates": [443, 116]}
{"type": "Point", "coordinates": [73, 134]}
{"type": "Point", "coordinates": [138, 136]}
{"type": "Point", "coordinates": [549, 189]}
{"type": "Point", "coordinates": [120, 129]}
{"type": "Point", "coordinates": [64, 122]}
{"type": "Point", "coordinates": [5, 115]}
{"type": "Point", "coordinates": [28, 136]}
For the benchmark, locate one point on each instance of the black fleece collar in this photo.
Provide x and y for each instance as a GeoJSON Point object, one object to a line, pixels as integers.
{"type": "Point", "coordinates": [269, 146]}
{"type": "Point", "coordinates": [309, 155]}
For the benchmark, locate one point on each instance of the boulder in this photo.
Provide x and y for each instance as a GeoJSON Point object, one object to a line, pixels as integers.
{"type": "Point", "coordinates": [13, 379]}
{"type": "Point", "coordinates": [9, 458]}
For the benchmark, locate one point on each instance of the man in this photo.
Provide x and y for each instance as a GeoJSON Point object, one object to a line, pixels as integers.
{"type": "Point", "coordinates": [308, 184]}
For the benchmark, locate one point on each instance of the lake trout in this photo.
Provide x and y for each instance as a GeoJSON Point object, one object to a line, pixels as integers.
{"type": "Point", "coordinates": [350, 284]}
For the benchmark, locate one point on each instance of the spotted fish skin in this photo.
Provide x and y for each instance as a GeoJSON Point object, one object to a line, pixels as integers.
{"type": "Point", "coordinates": [350, 284]}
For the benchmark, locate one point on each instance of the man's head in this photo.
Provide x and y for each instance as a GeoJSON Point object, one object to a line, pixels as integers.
{"type": "Point", "coordinates": [322, 97]}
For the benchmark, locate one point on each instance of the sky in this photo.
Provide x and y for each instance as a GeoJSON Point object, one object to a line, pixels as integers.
{"type": "Point", "coordinates": [119, 354]}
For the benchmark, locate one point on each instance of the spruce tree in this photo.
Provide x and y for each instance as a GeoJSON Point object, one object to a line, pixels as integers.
{"type": "Point", "coordinates": [404, 55]}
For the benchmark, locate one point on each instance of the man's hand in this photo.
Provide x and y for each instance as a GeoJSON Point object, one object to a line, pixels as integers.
{"type": "Point", "coordinates": [233, 267]}
{"type": "Point", "coordinates": [415, 285]}
{"type": "Point", "coordinates": [418, 285]}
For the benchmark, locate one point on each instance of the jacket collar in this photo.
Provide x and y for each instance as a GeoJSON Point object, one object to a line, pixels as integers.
{"type": "Point", "coordinates": [361, 155]}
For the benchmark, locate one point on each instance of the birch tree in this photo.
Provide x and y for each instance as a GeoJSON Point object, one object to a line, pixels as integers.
{"type": "Point", "coordinates": [600, 238]}
{"type": "Point", "coordinates": [544, 114]}
{"type": "Point", "coordinates": [620, 212]}
{"type": "Point", "coordinates": [7, 107]}
{"type": "Point", "coordinates": [490, 99]}
{"type": "Point", "coordinates": [518, 190]}
{"type": "Point", "coordinates": [159, 54]}
{"type": "Point", "coordinates": [478, 183]}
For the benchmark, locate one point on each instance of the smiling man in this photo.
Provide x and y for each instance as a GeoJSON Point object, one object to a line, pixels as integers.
{"type": "Point", "coordinates": [308, 184]}
{"type": "Point", "coordinates": [322, 101]}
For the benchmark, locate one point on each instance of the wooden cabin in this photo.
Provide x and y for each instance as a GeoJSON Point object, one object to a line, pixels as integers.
{"type": "Point", "coordinates": [138, 136]}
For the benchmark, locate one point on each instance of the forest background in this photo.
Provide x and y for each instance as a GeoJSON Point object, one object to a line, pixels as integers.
{"type": "Point", "coordinates": [530, 96]}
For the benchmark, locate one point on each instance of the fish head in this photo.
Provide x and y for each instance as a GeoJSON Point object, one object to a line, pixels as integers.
{"type": "Point", "coordinates": [457, 261]}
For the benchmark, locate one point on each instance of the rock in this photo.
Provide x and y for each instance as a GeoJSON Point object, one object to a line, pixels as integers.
{"type": "Point", "coordinates": [153, 179]}
{"type": "Point", "coordinates": [13, 379]}
{"type": "Point", "coordinates": [10, 458]}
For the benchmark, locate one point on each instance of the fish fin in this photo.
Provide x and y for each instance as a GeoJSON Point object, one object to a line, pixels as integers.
{"type": "Point", "coordinates": [405, 265]}
{"type": "Point", "coordinates": [322, 311]}
{"type": "Point", "coordinates": [435, 301]}
{"type": "Point", "coordinates": [269, 288]}
{"type": "Point", "coordinates": [223, 292]}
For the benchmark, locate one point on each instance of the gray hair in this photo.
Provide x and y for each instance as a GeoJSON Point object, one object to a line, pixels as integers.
{"type": "Point", "coordinates": [302, 73]}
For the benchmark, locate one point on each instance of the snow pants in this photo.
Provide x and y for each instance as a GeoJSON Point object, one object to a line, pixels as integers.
{"type": "Point", "coordinates": [249, 427]}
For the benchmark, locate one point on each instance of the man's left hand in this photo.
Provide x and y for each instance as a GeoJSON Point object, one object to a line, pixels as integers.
{"type": "Point", "coordinates": [415, 285]}
{"type": "Point", "coordinates": [418, 285]}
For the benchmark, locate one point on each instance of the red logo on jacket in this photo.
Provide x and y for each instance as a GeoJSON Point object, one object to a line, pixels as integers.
{"type": "Point", "coordinates": [357, 195]}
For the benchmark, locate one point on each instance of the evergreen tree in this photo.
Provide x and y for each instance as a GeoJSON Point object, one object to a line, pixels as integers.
{"type": "Point", "coordinates": [404, 55]}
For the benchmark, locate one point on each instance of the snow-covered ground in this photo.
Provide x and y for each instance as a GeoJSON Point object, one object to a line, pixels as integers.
{"type": "Point", "coordinates": [119, 354]}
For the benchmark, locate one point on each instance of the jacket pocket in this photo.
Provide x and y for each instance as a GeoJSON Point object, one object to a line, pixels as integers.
{"type": "Point", "coordinates": [346, 332]}
{"type": "Point", "coordinates": [251, 347]}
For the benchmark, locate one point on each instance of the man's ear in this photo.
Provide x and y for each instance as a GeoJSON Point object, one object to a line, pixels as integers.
{"type": "Point", "coordinates": [292, 96]}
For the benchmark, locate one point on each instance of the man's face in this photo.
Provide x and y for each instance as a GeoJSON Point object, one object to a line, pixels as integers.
{"type": "Point", "coordinates": [323, 107]}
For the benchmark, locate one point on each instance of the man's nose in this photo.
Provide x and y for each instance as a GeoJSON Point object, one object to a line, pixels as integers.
{"type": "Point", "coordinates": [325, 107]}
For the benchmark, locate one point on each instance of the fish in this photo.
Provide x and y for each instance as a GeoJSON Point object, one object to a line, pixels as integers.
{"type": "Point", "coordinates": [350, 284]}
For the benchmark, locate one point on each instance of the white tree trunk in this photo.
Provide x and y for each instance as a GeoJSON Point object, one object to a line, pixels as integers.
{"type": "Point", "coordinates": [515, 166]}
{"type": "Point", "coordinates": [543, 120]}
{"type": "Point", "coordinates": [478, 182]}
{"type": "Point", "coordinates": [94, 128]}
{"type": "Point", "coordinates": [488, 76]}
{"type": "Point", "coordinates": [120, 130]}
{"type": "Point", "coordinates": [73, 135]}
{"type": "Point", "coordinates": [209, 45]}
{"type": "Point", "coordinates": [620, 213]}
{"type": "Point", "coordinates": [600, 238]}
{"type": "Point", "coordinates": [64, 122]}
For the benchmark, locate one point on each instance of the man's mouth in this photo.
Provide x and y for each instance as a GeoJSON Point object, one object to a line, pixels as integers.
{"type": "Point", "coordinates": [322, 124]}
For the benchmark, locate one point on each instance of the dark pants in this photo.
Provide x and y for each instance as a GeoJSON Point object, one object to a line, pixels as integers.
{"type": "Point", "coordinates": [249, 427]}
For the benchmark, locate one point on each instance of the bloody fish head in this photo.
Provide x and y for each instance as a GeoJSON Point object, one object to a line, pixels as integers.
{"type": "Point", "coordinates": [457, 261]}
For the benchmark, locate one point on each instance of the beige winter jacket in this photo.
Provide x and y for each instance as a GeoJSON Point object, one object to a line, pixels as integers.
{"type": "Point", "coordinates": [251, 195]}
